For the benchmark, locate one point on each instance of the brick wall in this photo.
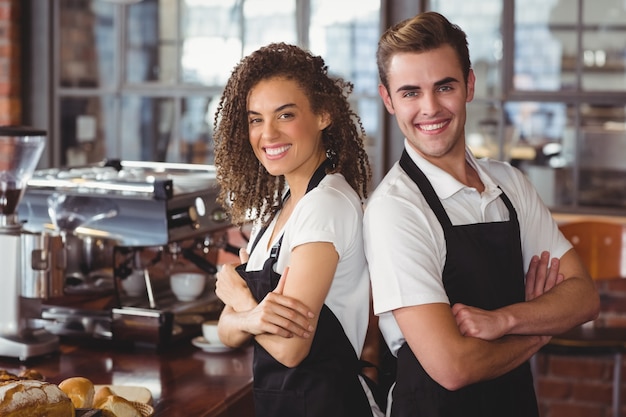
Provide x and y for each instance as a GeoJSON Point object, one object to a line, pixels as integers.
{"type": "Point", "coordinates": [581, 386]}
{"type": "Point", "coordinates": [10, 71]}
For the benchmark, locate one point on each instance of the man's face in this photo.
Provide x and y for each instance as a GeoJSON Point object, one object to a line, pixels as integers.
{"type": "Point", "coordinates": [427, 94]}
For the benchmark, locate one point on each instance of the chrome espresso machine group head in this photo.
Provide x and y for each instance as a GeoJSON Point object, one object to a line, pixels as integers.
{"type": "Point", "coordinates": [32, 263]}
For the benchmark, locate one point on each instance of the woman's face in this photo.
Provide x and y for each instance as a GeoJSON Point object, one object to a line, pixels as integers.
{"type": "Point", "coordinates": [285, 134]}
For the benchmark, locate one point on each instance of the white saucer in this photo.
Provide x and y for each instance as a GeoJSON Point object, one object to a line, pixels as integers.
{"type": "Point", "coordinates": [205, 345]}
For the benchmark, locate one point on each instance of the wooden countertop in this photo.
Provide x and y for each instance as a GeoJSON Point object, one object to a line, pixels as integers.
{"type": "Point", "coordinates": [184, 380]}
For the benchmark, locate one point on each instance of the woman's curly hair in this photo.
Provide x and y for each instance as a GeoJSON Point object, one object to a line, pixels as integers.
{"type": "Point", "coordinates": [247, 190]}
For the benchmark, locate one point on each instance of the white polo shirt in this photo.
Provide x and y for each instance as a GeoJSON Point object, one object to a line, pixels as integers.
{"type": "Point", "coordinates": [404, 242]}
{"type": "Point", "coordinates": [331, 212]}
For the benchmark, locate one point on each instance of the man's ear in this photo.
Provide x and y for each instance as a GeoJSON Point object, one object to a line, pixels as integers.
{"type": "Point", "coordinates": [471, 82]}
{"type": "Point", "coordinates": [384, 94]}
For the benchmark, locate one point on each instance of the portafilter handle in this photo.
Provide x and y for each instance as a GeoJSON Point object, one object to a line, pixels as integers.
{"type": "Point", "coordinates": [199, 261]}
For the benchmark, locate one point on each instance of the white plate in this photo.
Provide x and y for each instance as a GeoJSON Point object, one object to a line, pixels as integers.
{"type": "Point", "coordinates": [203, 344]}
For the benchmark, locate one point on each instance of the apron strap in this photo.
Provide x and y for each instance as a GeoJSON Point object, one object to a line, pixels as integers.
{"type": "Point", "coordinates": [416, 174]}
{"type": "Point", "coordinates": [317, 177]}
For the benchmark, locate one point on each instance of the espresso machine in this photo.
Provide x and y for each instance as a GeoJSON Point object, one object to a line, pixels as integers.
{"type": "Point", "coordinates": [126, 225]}
{"type": "Point", "coordinates": [32, 262]}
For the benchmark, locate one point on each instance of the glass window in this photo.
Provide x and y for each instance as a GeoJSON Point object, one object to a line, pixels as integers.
{"type": "Point", "coordinates": [482, 129]}
{"type": "Point", "coordinates": [601, 156]}
{"type": "Point", "coordinates": [604, 46]}
{"type": "Point", "coordinates": [161, 64]}
{"type": "Point", "coordinates": [554, 43]}
{"type": "Point", "coordinates": [151, 42]}
{"type": "Point", "coordinates": [148, 124]}
{"type": "Point", "coordinates": [481, 21]}
{"type": "Point", "coordinates": [347, 36]}
{"type": "Point", "coordinates": [211, 40]}
{"type": "Point", "coordinates": [268, 21]}
{"type": "Point", "coordinates": [83, 121]}
{"type": "Point", "coordinates": [86, 44]}
{"type": "Point", "coordinates": [543, 46]}
{"type": "Point", "coordinates": [194, 142]}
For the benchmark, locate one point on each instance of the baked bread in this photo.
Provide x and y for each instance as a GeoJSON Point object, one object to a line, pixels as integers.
{"type": "Point", "coordinates": [101, 395]}
{"type": "Point", "coordinates": [80, 390]}
{"type": "Point", "coordinates": [29, 398]}
{"type": "Point", "coordinates": [7, 376]}
{"type": "Point", "coordinates": [31, 374]}
{"type": "Point", "coordinates": [116, 406]}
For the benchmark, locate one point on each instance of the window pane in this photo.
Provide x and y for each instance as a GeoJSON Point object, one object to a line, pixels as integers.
{"type": "Point", "coordinates": [148, 126]}
{"type": "Point", "coordinates": [602, 150]}
{"type": "Point", "coordinates": [84, 132]}
{"type": "Point", "coordinates": [545, 37]}
{"type": "Point", "coordinates": [211, 44]}
{"type": "Point", "coordinates": [482, 130]}
{"type": "Point", "coordinates": [543, 145]}
{"type": "Point", "coordinates": [604, 46]}
{"type": "Point", "coordinates": [86, 44]}
{"type": "Point", "coordinates": [151, 41]}
{"type": "Point", "coordinates": [481, 21]}
{"type": "Point", "coordinates": [194, 143]}
{"type": "Point", "coordinates": [347, 36]}
{"type": "Point", "coordinates": [267, 21]}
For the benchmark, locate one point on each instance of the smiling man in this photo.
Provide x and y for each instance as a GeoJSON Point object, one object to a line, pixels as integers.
{"type": "Point", "coordinates": [459, 248]}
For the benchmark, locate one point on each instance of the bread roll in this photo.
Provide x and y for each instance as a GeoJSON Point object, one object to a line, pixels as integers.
{"type": "Point", "coordinates": [29, 398]}
{"type": "Point", "coordinates": [117, 406]}
{"type": "Point", "coordinates": [80, 390]}
{"type": "Point", "coordinates": [101, 395]}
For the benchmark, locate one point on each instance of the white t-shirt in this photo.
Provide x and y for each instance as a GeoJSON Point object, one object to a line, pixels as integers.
{"type": "Point", "coordinates": [404, 242]}
{"type": "Point", "coordinates": [331, 212]}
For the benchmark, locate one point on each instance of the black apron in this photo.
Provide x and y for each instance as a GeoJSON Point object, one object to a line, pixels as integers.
{"type": "Point", "coordinates": [326, 382]}
{"type": "Point", "coordinates": [484, 269]}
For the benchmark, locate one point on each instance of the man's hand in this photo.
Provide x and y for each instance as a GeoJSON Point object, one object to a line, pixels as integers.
{"type": "Point", "coordinates": [541, 277]}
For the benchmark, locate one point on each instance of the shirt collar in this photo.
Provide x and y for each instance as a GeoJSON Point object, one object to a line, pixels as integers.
{"type": "Point", "coordinates": [446, 185]}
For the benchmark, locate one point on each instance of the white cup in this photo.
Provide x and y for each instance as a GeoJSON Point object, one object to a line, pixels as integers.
{"type": "Point", "coordinates": [209, 331]}
{"type": "Point", "coordinates": [187, 286]}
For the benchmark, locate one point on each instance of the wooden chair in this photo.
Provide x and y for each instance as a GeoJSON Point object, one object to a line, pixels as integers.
{"type": "Point", "coordinates": [600, 245]}
{"type": "Point", "coordinates": [602, 248]}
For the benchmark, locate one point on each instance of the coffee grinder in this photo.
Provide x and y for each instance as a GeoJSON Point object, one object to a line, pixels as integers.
{"type": "Point", "coordinates": [32, 263]}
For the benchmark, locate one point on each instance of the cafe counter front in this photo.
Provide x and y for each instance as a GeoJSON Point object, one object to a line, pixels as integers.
{"type": "Point", "coordinates": [183, 379]}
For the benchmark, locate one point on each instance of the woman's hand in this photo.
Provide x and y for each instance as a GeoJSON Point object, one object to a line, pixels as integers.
{"type": "Point", "coordinates": [232, 289]}
{"type": "Point", "coordinates": [280, 315]}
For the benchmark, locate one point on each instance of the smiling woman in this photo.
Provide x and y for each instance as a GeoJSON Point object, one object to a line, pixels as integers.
{"type": "Point", "coordinates": [290, 157]}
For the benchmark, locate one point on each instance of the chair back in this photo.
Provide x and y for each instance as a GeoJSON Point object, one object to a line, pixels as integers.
{"type": "Point", "coordinates": [601, 246]}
